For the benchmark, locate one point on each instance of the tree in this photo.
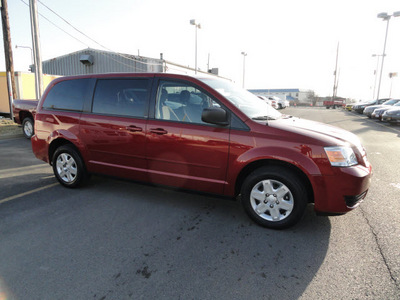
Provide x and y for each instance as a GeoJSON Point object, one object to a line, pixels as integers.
{"type": "Point", "coordinates": [311, 97]}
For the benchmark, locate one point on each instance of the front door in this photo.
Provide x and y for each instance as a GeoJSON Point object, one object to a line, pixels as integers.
{"type": "Point", "coordinates": [182, 150]}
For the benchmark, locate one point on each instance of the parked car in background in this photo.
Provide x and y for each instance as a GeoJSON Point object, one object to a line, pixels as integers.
{"type": "Point", "coordinates": [24, 113]}
{"type": "Point", "coordinates": [270, 101]}
{"type": "Point", "coordinates": [370, 109]}
{"type": "Point", "coordinates": [359, 107]}
{"type": "Point", "coordinates": [275, 102]}
{"type": "Point", "coordinates": [281, 103]}
{"type": "Point", "coordinates": [349, 107]}
{"type": "Point", "coordinates": [378, 112]}
{"type": "Point", "coordinates": [203, 134]}
{"type": "Point", "coordinates": [392, 115]}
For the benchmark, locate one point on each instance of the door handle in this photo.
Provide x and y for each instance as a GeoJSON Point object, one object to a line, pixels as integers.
{"type": "Point", "coordinates": [159, 131]}
{"type": "Point", "coordinates": [133, 128]}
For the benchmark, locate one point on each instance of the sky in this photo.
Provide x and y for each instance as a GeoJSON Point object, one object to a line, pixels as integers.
{"type": "Point", "coordinates": [289, 43]}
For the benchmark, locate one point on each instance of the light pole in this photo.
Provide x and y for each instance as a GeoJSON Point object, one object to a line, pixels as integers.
{"type": "Point", "coordinates": [196, 25]}
{"type": "Point", "coordinates": [376, 71]}
{"type": "Point", "coordinates": [244, 64]}
{"type": "Point", "coordinates": [26, 47]}
{"type": "Point", "coordinates": [385, 17]}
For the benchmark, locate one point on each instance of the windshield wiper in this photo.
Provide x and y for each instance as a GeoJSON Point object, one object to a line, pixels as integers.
{"type": "Point", "coordinates": [263, 118]}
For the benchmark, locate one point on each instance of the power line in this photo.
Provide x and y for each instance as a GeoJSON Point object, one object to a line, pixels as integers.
{"type": "Point", "coordinates": [57, 26]}
{"type": "Point", "coordinates": [68, 23]}
{"type": "Point", "coordinates": [71, 25]}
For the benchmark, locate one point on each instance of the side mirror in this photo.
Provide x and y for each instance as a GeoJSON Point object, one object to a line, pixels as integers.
{"type": "Point", "coordinates": [215, 115]}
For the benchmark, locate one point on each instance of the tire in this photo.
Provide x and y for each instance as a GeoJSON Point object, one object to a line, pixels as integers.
{"type": "Point", "coordinates": [27, 127]}
{"type": "Point", "coordinates": [274, 197]}
{"type": "Point", "coordinates": [68, 167]}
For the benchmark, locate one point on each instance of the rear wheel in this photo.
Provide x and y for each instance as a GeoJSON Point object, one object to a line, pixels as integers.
{"type": "Point", "coordinates": [27, 127]}
{"type": "Point", "coordinates": [274, 197]}
{"type": "Point", "coordinates": [68, 166]}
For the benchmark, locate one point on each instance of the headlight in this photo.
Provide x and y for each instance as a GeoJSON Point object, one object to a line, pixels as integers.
{"type": "Point", "coordinates": [341, 156]}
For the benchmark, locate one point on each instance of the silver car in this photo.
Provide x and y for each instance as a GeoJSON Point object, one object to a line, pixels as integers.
{"type": "Point", "coordinates": [392, 115]}
{"type": "Point", "coordinates": [378, 113]}
{"type": "Point", "coordinates": [370, 109]}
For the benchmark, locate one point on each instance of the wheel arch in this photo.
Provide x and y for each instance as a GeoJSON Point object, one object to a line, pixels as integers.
{"type": "Point", "coordinates": [25, 114]}
{"type": "Point", "coordinates": [271, 162]}
{"type": "Point", "coordinates": [55, 144]}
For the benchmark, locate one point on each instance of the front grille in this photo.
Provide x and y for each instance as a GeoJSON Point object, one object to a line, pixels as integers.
{"type": "Point", "coordinates": [353, 201]}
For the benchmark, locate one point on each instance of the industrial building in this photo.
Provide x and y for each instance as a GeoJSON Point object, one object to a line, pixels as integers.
{"type": "Point", "coordinates": [93, 61]}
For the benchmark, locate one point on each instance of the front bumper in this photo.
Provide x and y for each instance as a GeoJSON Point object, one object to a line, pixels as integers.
{"type": "Point", "coordinates": [343, 191]}
{"type": "Point", "coordinates": [368, 113]}
{"type": "Point", "coordinates": [359, 110]}
{"type": "Point", "coordinates": [391, 119]}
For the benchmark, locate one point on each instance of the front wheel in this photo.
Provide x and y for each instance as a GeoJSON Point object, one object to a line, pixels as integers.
{"type": "Point", "coordinates": [68, 166]}
{"type": "Point", "coordinates": [274, 197]}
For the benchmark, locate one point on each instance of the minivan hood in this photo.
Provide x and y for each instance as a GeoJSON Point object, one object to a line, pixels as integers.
{"type": "Point", "coordinates": [316, 129]}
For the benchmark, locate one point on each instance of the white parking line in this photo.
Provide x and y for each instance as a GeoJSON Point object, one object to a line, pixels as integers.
{"type": "Point", "coordinates": [30, 170]}
{"type": "Point", "coordinates": [28, 193]}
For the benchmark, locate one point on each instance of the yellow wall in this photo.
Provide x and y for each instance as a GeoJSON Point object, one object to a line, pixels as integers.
{"type": "Point", "coordinates": [4, 106]}
{"type": "Point", "coordinates": [25, 85]}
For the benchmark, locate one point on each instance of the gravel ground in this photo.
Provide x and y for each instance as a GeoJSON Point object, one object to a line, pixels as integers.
{"type": "Point", "coordinates": [9, 127]}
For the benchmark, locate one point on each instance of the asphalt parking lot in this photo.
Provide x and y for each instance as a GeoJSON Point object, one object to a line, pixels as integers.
{"type": "Point", "coordinates": [115, 239]}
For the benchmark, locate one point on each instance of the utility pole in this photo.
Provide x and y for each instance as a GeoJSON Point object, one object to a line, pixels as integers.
{"type": "Point", "coordinates": [36, 48]}
{"type": "Point", "coordinates": [12, 91]}
{"type": "Point", "coordinates": [335, 79]}
{"type": "Point", "coordinates": [244, 64]}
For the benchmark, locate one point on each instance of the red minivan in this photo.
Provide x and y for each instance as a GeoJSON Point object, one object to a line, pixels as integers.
{"type": "Point", "coordinates": [203, 134]}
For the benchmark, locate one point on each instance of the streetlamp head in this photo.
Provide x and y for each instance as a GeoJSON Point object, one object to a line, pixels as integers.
{"type": "Point", "coordinates": [384, 16]}
{"type": "Point", "coordinates": [193, 22]}
{"type": "Point", "coordinates": [396, 14]}
{"type": "Point", "coordinates": [244, 53]}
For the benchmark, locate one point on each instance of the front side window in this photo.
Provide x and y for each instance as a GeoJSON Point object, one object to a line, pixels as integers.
{"type": "Point", "coordinates": [177, 101]}
{"type": "Point", "coordinates": [67, 95]}
{"type": "Point", "coordinates": [123, 97]}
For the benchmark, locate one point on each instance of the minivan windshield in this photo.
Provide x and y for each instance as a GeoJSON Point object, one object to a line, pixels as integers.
{"type": "Point", "coordinates": [248, 103]}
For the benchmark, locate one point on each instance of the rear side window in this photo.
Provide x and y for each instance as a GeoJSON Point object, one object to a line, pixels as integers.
{"type": "Point", "coordinates": [67, 95]}
{"type": "Point", "coordinates": [123, 97]}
